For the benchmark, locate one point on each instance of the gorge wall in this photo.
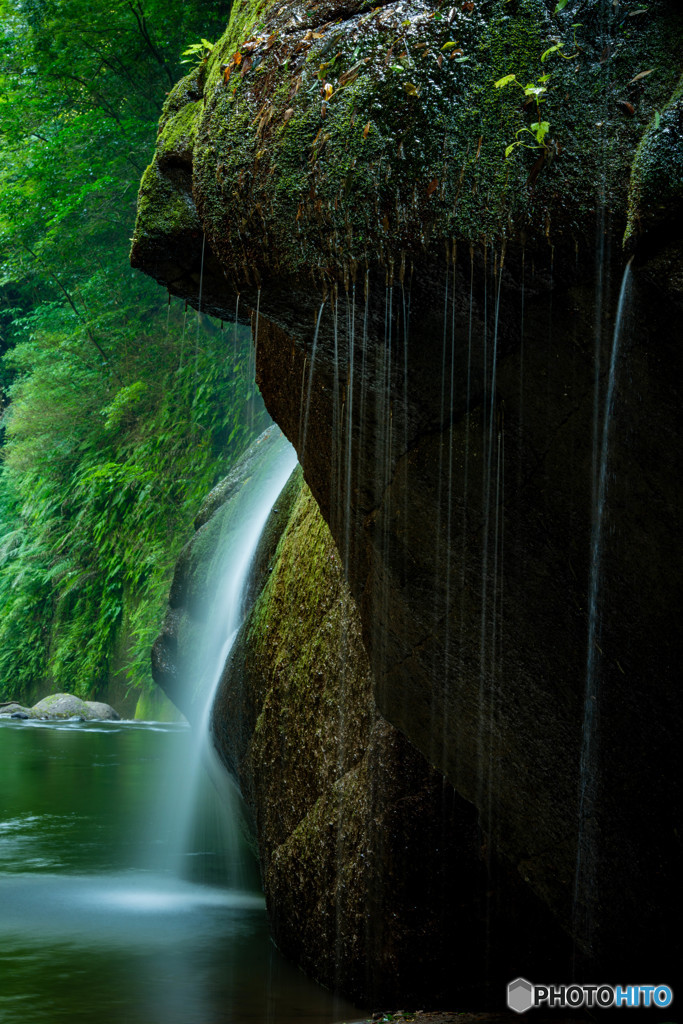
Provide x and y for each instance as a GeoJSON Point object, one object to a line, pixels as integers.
{"type": "Point", "coordinates": [436, 336]}
{"type": "Point", "coordinates": [376, 873]}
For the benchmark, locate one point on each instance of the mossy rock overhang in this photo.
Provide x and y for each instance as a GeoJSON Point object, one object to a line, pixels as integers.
{"type": "Point", "coordinates": [319, 141]}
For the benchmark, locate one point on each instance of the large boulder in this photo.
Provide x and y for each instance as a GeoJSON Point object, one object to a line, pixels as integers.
{"type": "Point", "coordinates": [437, 335]}
{"type": "Point", "coordinates": [66, 705]}
{"type": "Point", "coordinates": [377, 875]}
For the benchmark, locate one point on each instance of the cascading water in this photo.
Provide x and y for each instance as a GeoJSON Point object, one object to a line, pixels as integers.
{"type": "Point", "coordinates": [127, 933]}
{"type": "Point", "coordinates": [177, 820]}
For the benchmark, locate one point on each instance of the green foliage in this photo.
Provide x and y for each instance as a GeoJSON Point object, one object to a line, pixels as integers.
{"type": "Point", "coordinates": [119, 410]}
{"type": "Point", "coordinates": [198, 53]}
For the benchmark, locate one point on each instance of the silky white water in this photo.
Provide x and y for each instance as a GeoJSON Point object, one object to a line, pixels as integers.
{"type": "Point", "coordinates": [188, 807]}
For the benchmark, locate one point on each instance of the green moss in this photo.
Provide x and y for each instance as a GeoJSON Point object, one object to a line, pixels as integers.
{"type": "Point", "coordinates": [163, 210]}
{"type": "Point", "coordinates": [154, 706]}
{"type": "Point", "coordinates": [176, 140]}
{"type": "Point", "coordinates": [283, 189]}
{"type": "Point", "coordinates": [656, 187]}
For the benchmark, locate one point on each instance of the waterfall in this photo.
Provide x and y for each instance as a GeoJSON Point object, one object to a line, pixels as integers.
{"type": "Point", "coordinates": [584, 880]}
{"type": "Point", "coordinates": [187, 796]}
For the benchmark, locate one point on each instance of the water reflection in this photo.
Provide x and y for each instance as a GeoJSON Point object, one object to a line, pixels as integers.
{"type": "Point", "coordinates": [83, 937]}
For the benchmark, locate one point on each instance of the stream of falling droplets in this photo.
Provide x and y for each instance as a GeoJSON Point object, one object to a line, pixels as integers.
{"type": "Point", "coordinates": [585, 881]}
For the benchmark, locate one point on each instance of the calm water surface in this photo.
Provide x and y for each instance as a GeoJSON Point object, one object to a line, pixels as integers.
{"type": "Point", "coordinates": [90, 932]}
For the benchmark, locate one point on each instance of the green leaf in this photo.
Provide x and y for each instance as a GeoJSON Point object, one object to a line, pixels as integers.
{"type": "Point", "coordinates": [658, 118]}
{"type": "Point", "coordinates": [508, 150]}
{"type": "Point", "coordinates": [561, 6]}
{"type": "Point", "coordinates": [504, 81]}
{"type": "Point", "coordinates": [551, 49]}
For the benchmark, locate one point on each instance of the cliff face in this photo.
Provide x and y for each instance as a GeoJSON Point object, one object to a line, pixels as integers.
{"type": "Point", "coordinates": [436, 334]}
{"type": "Point", "coordinates": [378, 878]}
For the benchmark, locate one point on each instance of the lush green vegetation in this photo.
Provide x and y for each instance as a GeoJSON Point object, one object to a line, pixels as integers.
{"type": "Point", "coordinates": [119, 410]}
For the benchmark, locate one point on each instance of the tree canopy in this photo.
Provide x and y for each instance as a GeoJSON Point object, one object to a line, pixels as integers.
{"type": "Point", "coordinates": [119, 409]}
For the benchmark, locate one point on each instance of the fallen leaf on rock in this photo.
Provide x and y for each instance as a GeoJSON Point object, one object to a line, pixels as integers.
{"type": "Point", "coordinates": [288, 113]}
{"type": "Point", "coordinates": [366, 130]}
{"type": "Point", "coordinates": [432, 186]}
{"type": "Point", "coordinates": [643, 74]}
{"type": "Point", "coordinates": [626, 107]}
{"type": "Point", "coordinates": [411, 89]}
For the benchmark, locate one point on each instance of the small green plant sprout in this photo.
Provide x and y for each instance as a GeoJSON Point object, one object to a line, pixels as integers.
{"type": "Point", "coordinates": [198, 52]}
{"type": "Point", "coordinates": [534, 91]}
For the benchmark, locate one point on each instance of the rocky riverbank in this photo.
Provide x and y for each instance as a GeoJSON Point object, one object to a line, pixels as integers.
{"type": "Point", "coordinates": [61, 706]}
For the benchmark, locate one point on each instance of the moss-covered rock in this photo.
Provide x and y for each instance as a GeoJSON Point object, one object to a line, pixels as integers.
{"type": "Point", "coordinates": [436, 327]}
{"type": "Point", "coordinates": [656, 190]}
{"type": "Point", "coordinates": [66, 705]}
{"type": "Point", "coordinates": [329, 140]}
{"type": "Point", "coordinates": [375, 872]}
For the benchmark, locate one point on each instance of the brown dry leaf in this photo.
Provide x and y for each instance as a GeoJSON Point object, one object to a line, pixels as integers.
{"type": "Point", "coordinates": [481, 139]}
{"type": "Point", "coordinates": [439, 60]}
{"type": "Point", "coordinates": [288, 113]}
{"type": "Point", "coordinates": [385, 222]}
{"type": "Point", "coordinates": [318, 35]}
{"type": "Point", "coordinates": [227, 71]}
{"type": "Point", "coordinates": [643, 74]}
{"type": "Point", "coordinates": [246, 64]}
{"type": "Point", "coordinates": [349, 76]}
{"type": "Point", "coordinates": [270, 41]}
{"type": "Point", "coordinates": [432, 186]}
{"type": "Point", "coordinates": [469, 6]}
{"type": "Point", "coordinates": [237, 58]}
{"type": "Point", "coordinates": [328, 90]}
{"type": "Point", "coordinates": [626, 107]}
{"type": "Point", "coordinates": [366, 130]}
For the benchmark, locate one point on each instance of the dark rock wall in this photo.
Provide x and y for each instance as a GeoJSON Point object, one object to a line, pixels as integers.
{"type": "Point", "coordinates": [435, 335]}
{"type": "Point", "coordinates": [377, 876]}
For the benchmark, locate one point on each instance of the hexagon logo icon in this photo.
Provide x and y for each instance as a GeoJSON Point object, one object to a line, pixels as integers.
{"type": "Point", "coordinates": [520, 995]}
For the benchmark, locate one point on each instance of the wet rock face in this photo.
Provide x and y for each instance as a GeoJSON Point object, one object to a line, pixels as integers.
{"type": "Point", "coordinates": [446, 398]}
{"type": "Point", "coordinates": [377, 876]}
{"type": "Point", "coordinates": [470, 555]}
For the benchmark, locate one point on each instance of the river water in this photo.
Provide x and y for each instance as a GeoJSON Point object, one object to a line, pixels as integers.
{"type": "Point", "coordinates": [89, 932]}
